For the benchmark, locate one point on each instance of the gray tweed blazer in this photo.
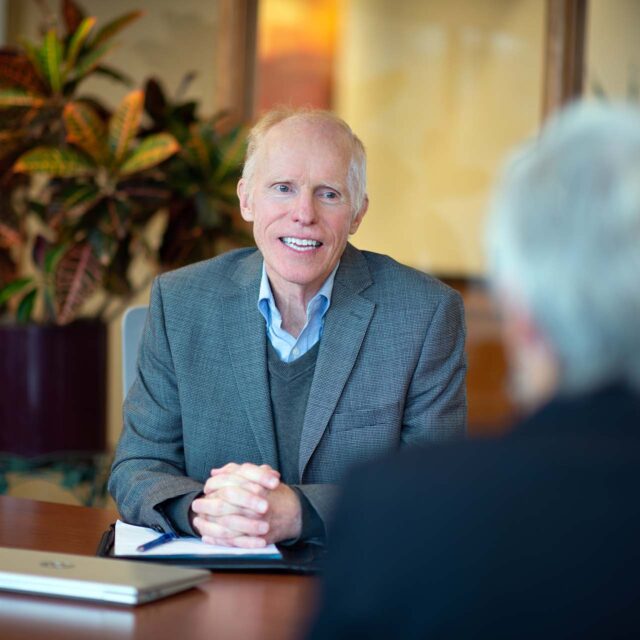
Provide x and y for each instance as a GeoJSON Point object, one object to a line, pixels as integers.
{"type": "Point", "coordinates": [390, 372]}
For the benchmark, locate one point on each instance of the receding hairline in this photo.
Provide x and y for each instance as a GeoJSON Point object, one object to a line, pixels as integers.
{"type": "Point", "coordinates": [280, 115]}
{"type": "Point", "coordinates": [357, 155]}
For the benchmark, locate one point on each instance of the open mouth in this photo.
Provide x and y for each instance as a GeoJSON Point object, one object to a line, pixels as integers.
{"type": "Point", "coordinates": [300, 244]}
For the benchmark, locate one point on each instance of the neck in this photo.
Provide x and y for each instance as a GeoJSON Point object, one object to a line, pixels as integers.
{"type": "Point", "coordinates": [292, 305]}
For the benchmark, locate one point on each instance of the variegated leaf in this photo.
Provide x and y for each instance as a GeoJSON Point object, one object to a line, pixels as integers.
{"type": "Point", "coordinates": [152, 150]}
{"type": "Point", "coordinates": [18, 98]}
{"type": "Point", "coordinates": [231, 150]}
{"type": "Point", "coordinates": [78, 39]}
{"type": "Point", "coordinates": [86, 130]}
{"type": "Point", "coordinates": [54, 161]}
{"type": "Point", "coordinates": [124, 125]}
{"type": "Point", "coordinates": [78, 202]}
{"type": "Point", "coordinates": [77, 276]}
{"type": "Point", "coordinates": [197, 151]}
{"type": "Point", "coordinates": [51, 60]}
{"type": "Point", "coordinates": [109, 30]}
{"type": "Point", "coordinates": [16, 70]}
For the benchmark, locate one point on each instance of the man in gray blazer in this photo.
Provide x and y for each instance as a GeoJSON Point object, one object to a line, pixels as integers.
{"type": "Point", "coordinates": [263, 375]}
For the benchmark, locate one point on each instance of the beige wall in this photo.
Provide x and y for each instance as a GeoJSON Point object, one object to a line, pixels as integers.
{"type": "Point", "coordinates": [438, 91]}
{"type": "Point", "coordinates": [613, 47]}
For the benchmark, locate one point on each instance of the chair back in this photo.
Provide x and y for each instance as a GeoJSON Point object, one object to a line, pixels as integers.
{"type": "Point", "coordinates": [132, 325]}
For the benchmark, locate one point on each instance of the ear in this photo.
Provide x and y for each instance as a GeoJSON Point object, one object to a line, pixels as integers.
{"type": "Point", "coordinates": [355, 223]}
{"type": "Point", "coordinates": [244, 195]}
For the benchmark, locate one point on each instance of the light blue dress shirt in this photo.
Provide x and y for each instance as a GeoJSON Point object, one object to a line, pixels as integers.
{"type": "Point", "coordinates": [286, 346]}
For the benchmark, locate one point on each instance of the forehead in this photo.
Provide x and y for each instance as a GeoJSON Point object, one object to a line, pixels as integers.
{"type": "Point", "coordinates": [301, 148]}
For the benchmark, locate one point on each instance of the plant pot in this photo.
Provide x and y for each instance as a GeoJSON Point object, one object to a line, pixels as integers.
{"type": "Point", "coordinates": [53, 388]}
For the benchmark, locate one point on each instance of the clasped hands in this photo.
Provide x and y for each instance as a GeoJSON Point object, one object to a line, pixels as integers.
{"type": "Point", "coordinates": [246, 505]}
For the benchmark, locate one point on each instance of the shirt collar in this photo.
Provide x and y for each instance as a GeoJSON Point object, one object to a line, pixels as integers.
{"type": "Point", "coordinates": [267, 303]}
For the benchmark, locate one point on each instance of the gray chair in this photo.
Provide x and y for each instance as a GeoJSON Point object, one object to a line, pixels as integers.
{"type": "Point", "coordinates": [132, 326]}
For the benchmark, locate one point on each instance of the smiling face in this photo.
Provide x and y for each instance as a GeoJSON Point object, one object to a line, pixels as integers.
{"type": "Point", "coordinates": [299, 204]}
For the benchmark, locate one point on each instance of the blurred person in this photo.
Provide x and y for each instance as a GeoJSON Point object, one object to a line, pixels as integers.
{"type": "Point", "coordinates": [534, 534]}
{"type": "Point", "coordinates": [263, 374]}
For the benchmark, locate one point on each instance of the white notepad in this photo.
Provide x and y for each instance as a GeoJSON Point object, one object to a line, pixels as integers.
{"type": "Point", "coordinates": [129, 537]}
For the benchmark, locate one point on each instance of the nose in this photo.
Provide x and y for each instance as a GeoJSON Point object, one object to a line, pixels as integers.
{"type": "Point", "coordinates": [304, 211]}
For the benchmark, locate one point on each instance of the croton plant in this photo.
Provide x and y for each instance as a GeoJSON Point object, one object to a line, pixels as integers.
{"type": "Point", "coordinates": [80, 183]}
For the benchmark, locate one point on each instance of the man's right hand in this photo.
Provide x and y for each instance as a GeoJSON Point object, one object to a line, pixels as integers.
{"type": "Point", "coordinates": [232, 511]}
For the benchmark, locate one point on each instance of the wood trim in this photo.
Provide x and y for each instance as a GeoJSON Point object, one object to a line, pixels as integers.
{"type": "Point", "coordinates": [236, 57]}
{"type": "Point", "coordinates": [564, 52]}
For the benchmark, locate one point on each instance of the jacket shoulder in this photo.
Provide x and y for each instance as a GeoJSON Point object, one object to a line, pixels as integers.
{"type": "Point", "coordinates": [399, 282]}
{"type": "Point", "coordinates": [217, 273]}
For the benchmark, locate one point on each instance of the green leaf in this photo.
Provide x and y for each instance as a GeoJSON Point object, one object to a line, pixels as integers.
{"type": "Point", "coordinates": [153, 150]}
{"type": "Point", "coordinates": [51, 60]}
{"type": "Point", "coordinates": [25, 308]}
{"type": "Point", "coordinates": [78, 39]}
{"type": "Point", "coordinates": [60, 162]}
{"type": "Point", "coordinates": [124, 125]}
{"type": "Point", "coordinates": [113, 74]}
{"type": "Point", "coordinates": [109, 30]}
{"type": "Point", "coordinates": [8, 291]}
{"type": "Point", "coordinates": [52, 256]}
{"type": "Point", "coordinates": [89, 61]}
{"type": "Point", "coordinates": [86, 130]}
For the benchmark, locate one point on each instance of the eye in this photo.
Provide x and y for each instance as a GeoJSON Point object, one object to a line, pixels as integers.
{"type": "Point", "coordinates": [281, 188]}
{"type": "Point", "coordinates": [329, 195]}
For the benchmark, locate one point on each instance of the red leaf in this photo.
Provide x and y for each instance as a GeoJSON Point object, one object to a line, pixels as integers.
{"type": "Point", "coordinates": [78, 275]}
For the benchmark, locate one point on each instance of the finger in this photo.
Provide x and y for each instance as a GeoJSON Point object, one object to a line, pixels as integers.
{"type": "Point", "coordinates": [264, 475]}
{"type": "Point", "coordinates": [234, 495]}
{"type": "Point", "coordinates": [211, 529]}
{"type": "Point", "coordinates": [225, 480]}
{"type": "Point", "coordinates": [233, 467]}
{"type": "Point", "coordinates": [231, 526]}
{"type": "Point", "coordinates": [217, 507]}
{"type": "Point", "coordinates": [246, 542]}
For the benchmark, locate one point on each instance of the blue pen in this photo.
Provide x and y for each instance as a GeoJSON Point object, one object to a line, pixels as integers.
{"type": "Point", "coordinates": [156, 542]}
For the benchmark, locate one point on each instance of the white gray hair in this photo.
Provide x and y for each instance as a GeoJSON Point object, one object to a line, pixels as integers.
{"type": "Point", "coordinates": [357, 175]}
{"type": "Point", "coordinates": [564, 235]}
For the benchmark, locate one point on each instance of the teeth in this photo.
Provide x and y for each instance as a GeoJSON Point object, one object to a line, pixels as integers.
{"type": "Point", "coordinates": [301, 244]}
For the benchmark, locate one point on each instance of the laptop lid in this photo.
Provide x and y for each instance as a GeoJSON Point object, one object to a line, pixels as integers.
{"type": "Point", "coordinates": [99, 579]}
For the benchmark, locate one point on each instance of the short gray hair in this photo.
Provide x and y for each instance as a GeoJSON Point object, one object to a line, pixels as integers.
{"type": "Point", "coordinates": [357, 176]}
{"type": "Point", "coordinates": [564, 235]}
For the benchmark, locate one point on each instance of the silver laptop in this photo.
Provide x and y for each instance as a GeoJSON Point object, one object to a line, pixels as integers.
{"type": "Point", "coordinates": [101, 579]}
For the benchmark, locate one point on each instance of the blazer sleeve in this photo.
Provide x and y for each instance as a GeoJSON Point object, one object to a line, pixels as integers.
{"type": "Point", "coordinates": [436, 403]}
{"type": "Point", "coordinates": [149, 466]}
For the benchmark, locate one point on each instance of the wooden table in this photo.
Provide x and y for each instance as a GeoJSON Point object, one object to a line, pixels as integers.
{"type": "Point", "coordinates": [231, 605]}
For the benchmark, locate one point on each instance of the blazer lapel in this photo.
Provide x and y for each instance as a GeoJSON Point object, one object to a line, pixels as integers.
{"type": "Point", "coordinates": [345, 326]}
{"type": "Point", "coordinates": [245, 337]}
